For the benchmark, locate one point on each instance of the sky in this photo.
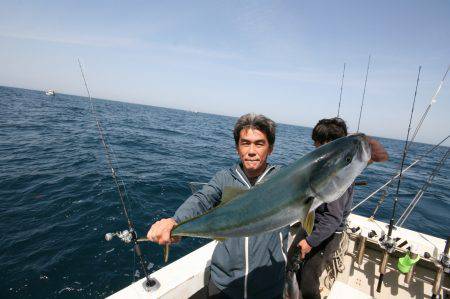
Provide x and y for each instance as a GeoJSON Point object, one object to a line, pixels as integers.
{"type": "Point", "coordinates": [283, 59]}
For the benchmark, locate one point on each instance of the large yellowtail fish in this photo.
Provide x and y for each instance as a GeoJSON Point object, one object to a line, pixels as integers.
{"type": "Point", "coordinates": [322, 175]}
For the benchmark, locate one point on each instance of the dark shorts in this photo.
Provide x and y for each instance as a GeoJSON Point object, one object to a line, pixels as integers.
{"type": "Point", "coordinates": [314, 264]}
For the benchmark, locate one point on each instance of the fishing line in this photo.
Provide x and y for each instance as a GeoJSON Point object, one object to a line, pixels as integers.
{"type": "Point", "coordinates": [397, 175]}
{"type": "Point", "coordinates": [340, 94]}
{"type": "Point", "coordinates": [107, 151]}
{"type": "Point", "coordinates": [432, 101]}
{"type": "Point", "coordinates": [364, 94]}
{"type": "Point", "coordinates": [109, 159]}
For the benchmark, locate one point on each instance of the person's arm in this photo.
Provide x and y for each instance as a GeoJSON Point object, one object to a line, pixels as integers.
{"type": "Point", "coordinates": [201, 201]}
{"type": "Point", "coordinates": [327, 224]}
{"type": "Point", "coordinates": [198, 203]}
{"type": "Point", "coordinates": [379, 154]}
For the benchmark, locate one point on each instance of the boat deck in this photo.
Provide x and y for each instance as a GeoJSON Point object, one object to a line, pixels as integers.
{"type": "Point", "coordinates": [188, 276]}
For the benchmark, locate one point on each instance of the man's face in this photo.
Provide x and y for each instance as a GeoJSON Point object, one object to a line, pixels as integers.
{"type": "Point", "coordinates": [253, 149]}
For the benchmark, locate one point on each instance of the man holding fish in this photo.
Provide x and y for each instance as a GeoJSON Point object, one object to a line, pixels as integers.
{"type": "Point", "coordinates": [316, 250]}
{"type": "Point", "coordinates": [252, 219]}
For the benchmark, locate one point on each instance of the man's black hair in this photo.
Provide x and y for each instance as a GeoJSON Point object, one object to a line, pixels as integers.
{"type": "Point", "coordinates": [329, 129]}
{"type": "Point", "coordinates": [255, 121]}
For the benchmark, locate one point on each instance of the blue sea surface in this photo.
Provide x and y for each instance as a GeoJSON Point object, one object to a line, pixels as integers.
{"type": "Point", "coordinates": [57, 197]}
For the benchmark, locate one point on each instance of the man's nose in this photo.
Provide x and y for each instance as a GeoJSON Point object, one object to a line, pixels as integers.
{"type": "Point", "coordinates": [252, 150]}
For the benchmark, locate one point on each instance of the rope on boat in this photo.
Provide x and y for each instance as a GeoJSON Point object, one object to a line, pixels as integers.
{"type": "Point", "coordinates": [336, 265]}
{"type": "Point", "coordinates": [422, 190]}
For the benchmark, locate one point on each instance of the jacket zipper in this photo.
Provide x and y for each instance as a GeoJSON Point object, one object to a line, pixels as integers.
{"type": "Point", "coordinates": [246, 240]}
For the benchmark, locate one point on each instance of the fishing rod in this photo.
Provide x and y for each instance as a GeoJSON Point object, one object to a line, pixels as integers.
{"type": "Point", "coordinates": [388, 243]}
{"type": "Point", "coordinates": [340, 94]}
{"type": "Point", "coordinates": [432, 102]}
{"type": "Point", "coordinates": [405, 152]}
{"type": "Point", "coordinates": [127, 236]}
{"type": "Point", "coordinates": [401, 220]}
{"type": "Point", "coordinates": [364, 94]}
{"type": "Point", "coordinates": [419, 125]}
{"type": "Point", "coordinates": [397, 175]}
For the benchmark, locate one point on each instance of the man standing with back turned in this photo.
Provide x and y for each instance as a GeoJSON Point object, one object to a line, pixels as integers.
{"type": "Point", "coordinates": [250, 267]}
{"type": "Point", "coordinates": [330, 218]}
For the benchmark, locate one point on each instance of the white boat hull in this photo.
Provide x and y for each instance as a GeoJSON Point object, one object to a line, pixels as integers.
{"type": "Point", "coordinates": [188, 276]}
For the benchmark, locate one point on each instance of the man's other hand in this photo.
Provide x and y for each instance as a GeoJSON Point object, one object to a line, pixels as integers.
{"type": "Point", "coordinates": [379, 154]}
{"type": "Point", "coordinates": [160, 232]}
{"type": "Point", "coordinates": [304, 248]}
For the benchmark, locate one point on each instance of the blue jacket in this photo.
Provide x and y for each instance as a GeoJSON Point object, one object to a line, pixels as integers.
{"type": "Point", "coordinates": [330, 218]}
{"type": "Point", "coordinates": [250, 267]}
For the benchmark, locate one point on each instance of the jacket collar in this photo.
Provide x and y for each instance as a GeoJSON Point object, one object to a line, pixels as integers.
{"type": "Point", "coordinates": [239, 174]}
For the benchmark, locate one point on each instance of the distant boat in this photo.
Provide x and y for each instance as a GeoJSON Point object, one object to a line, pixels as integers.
{"type": "Point", "coordinates": [50, 92]}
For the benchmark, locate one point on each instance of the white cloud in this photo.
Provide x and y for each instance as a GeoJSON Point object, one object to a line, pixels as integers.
{"type": "Point", "coordinates": [75, 40]}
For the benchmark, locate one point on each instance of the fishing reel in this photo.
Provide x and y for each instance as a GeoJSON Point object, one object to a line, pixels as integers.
{"type": "Point", "coordinates": [126, 236]}
{"type": "Point", "coordinates": [388, 243]}
{"type": "Point", "coordinates": [444, 261]}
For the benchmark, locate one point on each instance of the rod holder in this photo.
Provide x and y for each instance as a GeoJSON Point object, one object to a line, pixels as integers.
{"type": "Point", "coordinates": [413, 258]}
{"type": "Point", "coordinates": [382, 270]}
{"type": "Point", "coordinates": [437, 282]}
{"type": "Point", "coordinates": [361, 249]}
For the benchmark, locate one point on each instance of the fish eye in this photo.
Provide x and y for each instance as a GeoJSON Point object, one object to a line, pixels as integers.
{"type": "Point", "coordinates": [348, 159]}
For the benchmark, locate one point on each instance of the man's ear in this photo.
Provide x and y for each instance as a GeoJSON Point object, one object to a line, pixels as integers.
{"type": "Point", "coordinates": [270, 149]}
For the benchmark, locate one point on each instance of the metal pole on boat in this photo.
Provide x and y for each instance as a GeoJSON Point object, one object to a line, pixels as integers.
{"type": "Point", "coordinates": [364, 94]}
{"type": "Point", "coordinates": [443, 267]}
{"type": "Point", "coordinates": [340, 94]}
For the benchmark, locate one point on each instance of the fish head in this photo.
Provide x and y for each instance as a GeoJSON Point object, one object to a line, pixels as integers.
{"type": "Point", "coordinates": [336, 165]}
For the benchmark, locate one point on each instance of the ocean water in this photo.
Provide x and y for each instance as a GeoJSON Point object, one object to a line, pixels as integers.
{"type": "Point", "coordinates": [57, 197]}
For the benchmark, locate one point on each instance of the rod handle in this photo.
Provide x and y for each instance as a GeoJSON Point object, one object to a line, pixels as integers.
{"type": "Point", "coordinates": [380, 282]}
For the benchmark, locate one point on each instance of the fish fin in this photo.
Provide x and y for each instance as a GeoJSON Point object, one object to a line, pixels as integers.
{"type": "Point", "coordinates": [308, 224]}
{"type": "Point", "coordinates": [166, 253]}
{"type": "Point", "coordinates": [315, 203]}
{"type": "Point", "coordinates": [230, 193]}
